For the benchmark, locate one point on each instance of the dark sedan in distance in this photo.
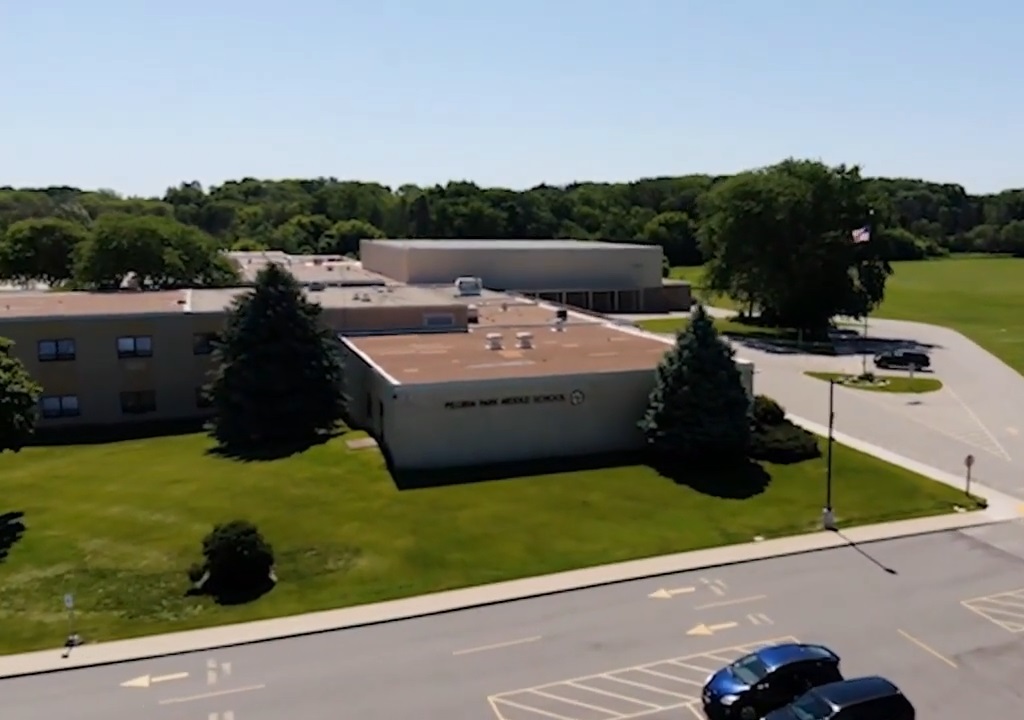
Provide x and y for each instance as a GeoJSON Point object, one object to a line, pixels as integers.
{"type": "Point", "coordinates": [768, 679]}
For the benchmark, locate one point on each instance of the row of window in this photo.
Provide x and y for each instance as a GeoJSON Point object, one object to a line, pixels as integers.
{"type": "Point", "coordinates": [133, 402]}
{"type": "Point", "coordinates": [128, 346]}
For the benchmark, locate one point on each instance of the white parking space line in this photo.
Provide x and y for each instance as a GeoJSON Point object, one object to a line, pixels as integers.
{"type": "Point", "coordinates": [625, 693]}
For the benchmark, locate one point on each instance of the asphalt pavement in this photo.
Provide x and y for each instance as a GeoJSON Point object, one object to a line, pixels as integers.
{"type": "Point", "coordinates": [941, 615]}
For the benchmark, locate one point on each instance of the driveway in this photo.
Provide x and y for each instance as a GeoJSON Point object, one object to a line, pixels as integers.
{"type": "Point", "coordinates": [979, 411]}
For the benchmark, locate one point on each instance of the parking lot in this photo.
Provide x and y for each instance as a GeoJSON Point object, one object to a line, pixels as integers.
{"type": "Point", "coordinates": [656, 690]}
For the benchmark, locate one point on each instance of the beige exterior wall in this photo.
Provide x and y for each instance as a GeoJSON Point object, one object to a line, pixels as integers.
{"type": "Point", "coordinates": [174, 372]}
{"type": "Point", "coordinates": [521, 269]}
{"type": "Point", "coordinates": [389, 260]}
{"type": "Point", "coordinates": [97, 376]}
{"type": "Point", "coordinates": [455, 424]}
{"type": "Point", "coordinates": [459, 423]}
{"type": "Point", "coordinates": [397, 318]}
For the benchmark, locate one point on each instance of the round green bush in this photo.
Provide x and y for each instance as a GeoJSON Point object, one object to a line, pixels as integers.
{"type": "Point", "coordinates": [783, 444]}
{"type": "Point", "coordinates": [238, 559]}
{"type": "Point", "coordinates": [767, 412]}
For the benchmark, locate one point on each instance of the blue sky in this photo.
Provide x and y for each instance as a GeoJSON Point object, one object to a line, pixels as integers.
{"type": "Point", "coordinates": [137, 95]}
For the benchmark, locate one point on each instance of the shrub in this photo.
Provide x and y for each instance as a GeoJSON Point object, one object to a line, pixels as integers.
{"type": "Point", "coordinates": [767, 412]}
{"type": "Point", "coordinates": [783, 443]}
{"type": "Point", "coordinates": [238, 559]}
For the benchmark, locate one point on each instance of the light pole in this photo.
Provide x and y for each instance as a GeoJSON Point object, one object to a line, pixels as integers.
{"type": "Point", "coordinates": [828, 518]}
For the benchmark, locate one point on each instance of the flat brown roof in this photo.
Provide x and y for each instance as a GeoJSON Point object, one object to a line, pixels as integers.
{"type": "Point", "coordinates": [452, 357]}
{"type": "Point", "coordinates": [25, 305]}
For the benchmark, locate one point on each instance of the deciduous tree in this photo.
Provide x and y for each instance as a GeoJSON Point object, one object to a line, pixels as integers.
{"type": "Point", "coordinates": [159, 251]}
{"type": "Point", "coordinates": [698, 410]}
{"type": "Point", "coordinates": [40, 249]}
{"type": "Point", "coordinates": [278, 378]}
{"type": "Point", "coordinates": [781, 239]}
{"type": "Point", "coordinates": [19, 394]}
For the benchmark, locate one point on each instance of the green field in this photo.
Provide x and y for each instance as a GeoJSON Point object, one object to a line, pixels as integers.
{"type": "Point", "coordinates": [894, 383]}
{"type": "Point", "coordinates": [981, 297]}
{"type": "Point", "coordinates": [119, 524]}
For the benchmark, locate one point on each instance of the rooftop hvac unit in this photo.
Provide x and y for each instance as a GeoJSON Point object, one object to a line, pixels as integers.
{"type": "Point", "coordinates": [494, 341]}
{"type": "Point", "coordinates": [562, 314]}
{"type": "Point", "coordinates": [558, 326]}
{"type": "Point", "coordinates": [468, 285]}
{"type": "Point", "coordinates": [524, 340]}
{"type": "Point", "coordinates": [473, 314]}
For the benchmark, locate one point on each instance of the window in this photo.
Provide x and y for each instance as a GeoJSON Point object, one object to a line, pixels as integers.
{"type": "Point", "coordinates": [138, 402]}
{"type": "Point", "coordinates": [59, 406]}
{"type": "Point", "coordinates": [53, 350]}
{"type": "Point", "coordinates": [203, 400]}
{"type": "Point", "coordinates": [135, 346]}
{"type": "Point", "coordinates": [438, 320]}
{"type": "Point", "coordinates": [202, 343]}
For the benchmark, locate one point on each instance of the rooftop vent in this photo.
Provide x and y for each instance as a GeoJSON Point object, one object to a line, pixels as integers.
{"type": "Point", "coordinates": [494, 341]}
{"type": "Point", "coordinates": [467, 285]}
{"type": "Point", "coordinates": [558, 326]}
{"type": "Point", "coordinates": [473, 314]}
{"type": "Point", "coordinates": [524, 340]}
{"type": "Point", "coordinates": [504, 307]}
{"type": "Point", "coordinates": [562, 314]}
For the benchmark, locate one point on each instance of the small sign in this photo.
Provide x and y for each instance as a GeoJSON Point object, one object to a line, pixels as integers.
{"type": "Point", "coordinates": [69, 601]}
{"type": "Point", "coordinates": [969, 461]}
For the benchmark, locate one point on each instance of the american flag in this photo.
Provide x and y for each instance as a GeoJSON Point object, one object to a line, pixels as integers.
{"type": "Point", "coordinates": [861, 235]}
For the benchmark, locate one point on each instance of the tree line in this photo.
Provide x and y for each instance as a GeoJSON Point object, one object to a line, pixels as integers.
{"type": "Point", "coordinates": [170, 237]}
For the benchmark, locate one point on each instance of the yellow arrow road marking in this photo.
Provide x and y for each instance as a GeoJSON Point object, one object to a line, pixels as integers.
{"type": "Point", "coordinates": [707, 629]}
{"type": "Point", "coordinates": [665, 594]}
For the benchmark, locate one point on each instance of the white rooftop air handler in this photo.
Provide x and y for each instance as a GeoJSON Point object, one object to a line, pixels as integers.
{"type": "Point", "coordinates": [524, 340]}
{"type": "Point", "coordinates": [494, 341]}
{"type": "Point", "coordinates": [468, 286]}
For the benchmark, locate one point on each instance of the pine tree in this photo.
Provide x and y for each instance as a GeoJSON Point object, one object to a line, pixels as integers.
{"type": "Point", "coordinates": [19, 394]}
{"type": "Point", "coordinates": [278, 378]}
{"type": "Point", "coordinates": [699, 409]}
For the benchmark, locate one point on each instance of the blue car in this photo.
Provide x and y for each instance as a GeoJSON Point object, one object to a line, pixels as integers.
{"type": "Point", "coordinates": [768, 679]}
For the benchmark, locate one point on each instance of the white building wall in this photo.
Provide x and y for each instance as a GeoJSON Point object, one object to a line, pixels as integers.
{"type": "Point", "coordinates": [480, 423]}
{"type": "Point", "coordinates": [622, 268]}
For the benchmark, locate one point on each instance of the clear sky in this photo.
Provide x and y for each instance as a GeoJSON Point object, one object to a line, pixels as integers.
{"type": "Point", "coordinates": [137, 95]}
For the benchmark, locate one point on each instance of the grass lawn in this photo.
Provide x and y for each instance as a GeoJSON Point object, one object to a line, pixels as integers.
{"type": "Point", "coordinates": [893, 383]}
{"type": "Point", "coordinates": [979, 296]}
{"type": "Point", "coordinates": [695, 276]}
{"type": "Point", "coordinates": [119, 524]}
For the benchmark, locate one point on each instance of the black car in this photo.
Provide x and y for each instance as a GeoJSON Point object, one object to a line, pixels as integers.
{"type": "Point", "coordinates": [866, 698]}
{"type": "Point", "coordinates": [767, 679]}
{"type": "Point", "coordinates": [903, 358]}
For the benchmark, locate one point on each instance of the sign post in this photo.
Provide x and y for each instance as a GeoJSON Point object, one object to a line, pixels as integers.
{"type": "Point", "coordinates": [69, 605]}
{"type": "Point", "coordinates": [968, 463]}
{"type": "Point", "coordinates": [73, 639]}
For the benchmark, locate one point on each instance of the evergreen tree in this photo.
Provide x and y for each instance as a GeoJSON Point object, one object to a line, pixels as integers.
{"type": "Point", "coordinates": [698, 410]}
{"type": "Point", "coordinates": [19, 394]}
{"type": "Point", "coordinates": [278, 377]}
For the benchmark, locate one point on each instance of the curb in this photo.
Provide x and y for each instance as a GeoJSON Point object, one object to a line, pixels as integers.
{"type": "Point", "coordinates": [838, 542]}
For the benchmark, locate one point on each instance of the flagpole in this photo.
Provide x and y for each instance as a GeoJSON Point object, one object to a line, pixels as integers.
{"type": "Point", "coordinates": [864, 333]}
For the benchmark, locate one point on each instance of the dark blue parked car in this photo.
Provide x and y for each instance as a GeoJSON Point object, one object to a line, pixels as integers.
{"type": "Point", "coordinates": [866, 698]}
{"type": "Point", "coordinates": [768, 679]}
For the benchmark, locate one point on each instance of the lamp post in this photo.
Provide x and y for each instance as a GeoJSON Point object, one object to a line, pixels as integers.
{"type": "Point", "coordinates": [828, 518]}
